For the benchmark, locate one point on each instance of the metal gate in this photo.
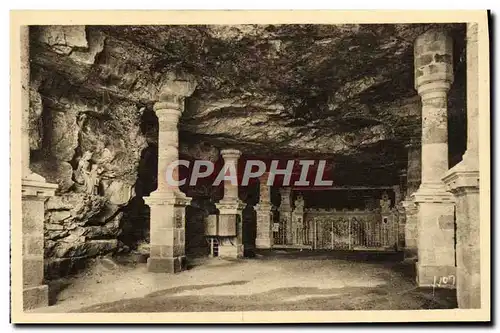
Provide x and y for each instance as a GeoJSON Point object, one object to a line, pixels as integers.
{"type": "Point", "coordinates": [353, 233]}
{"type": "Point", "coordinates": [332, 234]}
{"type": "Point", "coordinates": [307, 235]}
{"type": "Point", "coordinates": [279, 232]}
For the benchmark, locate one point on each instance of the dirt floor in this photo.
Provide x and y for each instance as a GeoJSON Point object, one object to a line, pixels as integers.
{"type": "Point", "coordinates": [278, 280]}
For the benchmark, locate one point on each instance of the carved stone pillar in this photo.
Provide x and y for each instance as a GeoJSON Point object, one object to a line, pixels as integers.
{"type": "Point", "coordinates": [264, 238]}
{"type": "Point", "coordinates": [168, 203]}
{"type": "Point", "coordinates": [463, 181]}
{"type": "Point", "coordinates": [231, 210]}
{"type": "Point", "coordinates": [433, 77]}
{"type": "Point", "coordinates": [286, 213]}
{"type": "Point", "coordinates": [35, 190]}
{"type": "Point", "coordinates": [298, 221]}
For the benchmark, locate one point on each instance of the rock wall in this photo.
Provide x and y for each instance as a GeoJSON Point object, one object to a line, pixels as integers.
{"type": "Point", "coordinates": [92, 149]}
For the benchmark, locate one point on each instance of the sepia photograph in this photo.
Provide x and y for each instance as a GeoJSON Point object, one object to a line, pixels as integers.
{"type": "Point", "coordinates": [266, 166]}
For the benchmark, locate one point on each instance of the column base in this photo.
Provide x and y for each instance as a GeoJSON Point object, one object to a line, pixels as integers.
{"type": "Point", "coordinates": [411, 254]}
{"type": "Point", "coordinates": [231, 251]}
{"type": "Point", "coordinates": [175, 198]}
{"type": "Point", "coordinates": [248, 251]}
{"type": "Point", "coordinates": [167, 265]}
{"type": "Point", "coordinates": [263, 243]}
{"type": "Point", "coordinates": [429, 276]}
{"type": "Point", "coordinates": [35, 297]}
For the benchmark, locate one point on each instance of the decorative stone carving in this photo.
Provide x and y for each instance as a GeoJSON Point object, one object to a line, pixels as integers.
{"type": "Point", "coordinates": [385, 203]}
{"type": "Point", "coordinates": [299, 203]}
{"type": "Point", "coordinates": [81, 172]}
{"type": "Point", "coordinates": [93, 180]}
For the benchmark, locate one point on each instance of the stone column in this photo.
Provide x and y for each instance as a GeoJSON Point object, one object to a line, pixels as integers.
{"type": "Point", "coordinates": [298, 221]}
{"type": "Point", "coordinates": [286, 213]}
{"type": "Point", "coordinates": [264, 238]}
{"type": "Point", "coordinates": [433, 77]}
{"type": "Point", "coordinates": [231, 211]}
{"type": "Point", "coordinates": [463, 181]}
{"type": "Point", "coordinates": [168, 203]}
{"type": "Point", "coordinates": [413, 176]}
{"type": "Point", "coordinates": [35, 190]}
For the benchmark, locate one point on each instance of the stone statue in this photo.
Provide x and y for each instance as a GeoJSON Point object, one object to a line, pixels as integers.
{"type": "Point", "coordinates": [299, 202]}
{"type": "Point", "coordinates": [385, 202]}
{"type": "Point", "coordinates": [93, 181]}
{"type": "Point", "coordinates": [87, 174]}
{"type": "Point", "coordinates": [81, 173]}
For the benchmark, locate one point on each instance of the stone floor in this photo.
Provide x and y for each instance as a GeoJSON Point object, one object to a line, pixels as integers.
{"type": "Point", "coordinates": [275, 280]}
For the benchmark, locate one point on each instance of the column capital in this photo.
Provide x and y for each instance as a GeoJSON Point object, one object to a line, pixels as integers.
{"type": "Point", "coordinates": [433, 61]}
{"type": "Point", "coordinates": [432, 195]}
{"type": "Point", "coordinates": [286, 198]}
{"type": "Point", "coordinates": [460, 180]}
{"type": "Point", "coordinates": [174, 198]}
{"type": "Point", "coordinates": [168, 111]}
{"type": "Point", "coordinates": [263, 206]}
{"type": "Point", "coordinates": [179, 88]}
{"type": "Point", "coordinates": [39, 189]}
{"type": "Point", "coordinates": [230, 154]}
{"type": "Point", "coordinates": [285, 190]}
{"type": "Point", "coordinates": [172, 95]}
{"type": "Point", "coordinates": [409, 206]}
{"type": "Point", "coordinates": [434, 89]}
{"type": "Point", "coordinates": [229, 206]}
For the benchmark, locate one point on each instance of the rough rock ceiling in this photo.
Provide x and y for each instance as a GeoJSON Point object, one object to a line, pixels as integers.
{"type": "Point", "coordinates": [342, 92]}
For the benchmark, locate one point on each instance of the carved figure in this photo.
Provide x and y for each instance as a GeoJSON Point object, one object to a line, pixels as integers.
{"type": "Point", "coordinates": [81, 173]}
{"type": "Point", "coordinates": [299, 202]}
{"type": "Point", "coordinates": [385, 202]}
{"type": "Point", "coordinates": [93, 181]}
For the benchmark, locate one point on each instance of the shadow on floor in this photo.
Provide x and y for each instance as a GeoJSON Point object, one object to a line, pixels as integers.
{"type": "Point", "coordinates": [179, 289]}
{"type": "Point", "coordinates": [289, 299]}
